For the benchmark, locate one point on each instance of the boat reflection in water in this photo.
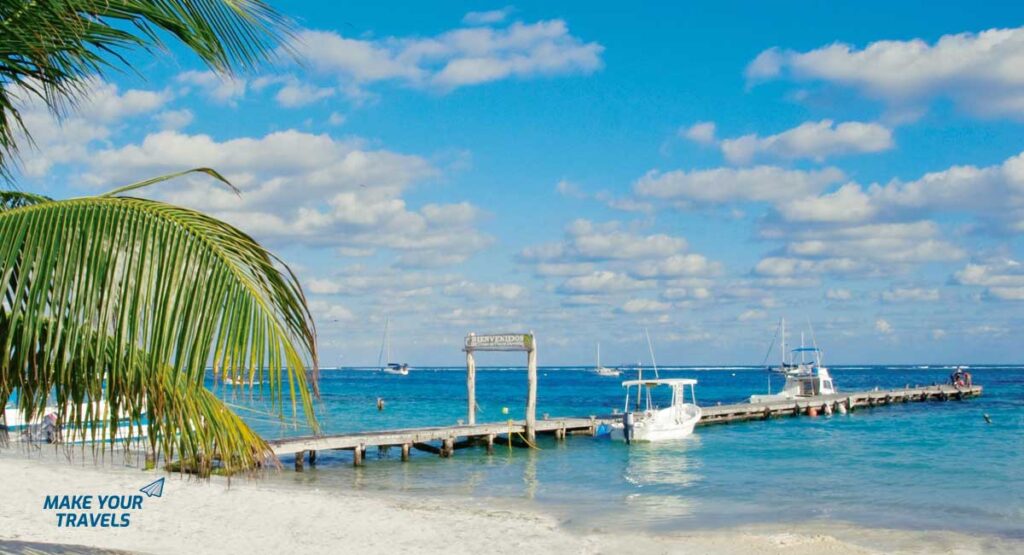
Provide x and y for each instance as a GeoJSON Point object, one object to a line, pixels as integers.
{"type": "Point", "coordinates": [660, 474]}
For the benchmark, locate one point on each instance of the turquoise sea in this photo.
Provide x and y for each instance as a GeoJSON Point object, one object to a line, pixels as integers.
{"type": "Point", "coordinates": [909, 466]}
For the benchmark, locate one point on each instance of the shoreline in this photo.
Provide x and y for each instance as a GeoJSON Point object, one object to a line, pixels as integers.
{"type": "Point", "coordinates": [254, 515]}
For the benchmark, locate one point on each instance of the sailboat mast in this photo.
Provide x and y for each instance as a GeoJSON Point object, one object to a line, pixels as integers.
{"type": "Point", "coordinates": [598, 355]}
{"type": "Point", "coordinates": [783, 343]}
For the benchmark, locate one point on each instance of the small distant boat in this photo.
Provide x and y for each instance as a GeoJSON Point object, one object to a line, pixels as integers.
{"type": "Point", "coordinates": [804, 377]}
{"type": "Point", "coordinates": [651, 423]}
{"type": "Point", "coordinates": [602, 370]}
{"type": "Point", "coordinates": [384, 359]}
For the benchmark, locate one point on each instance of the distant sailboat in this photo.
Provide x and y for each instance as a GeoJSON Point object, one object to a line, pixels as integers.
{"type": "Point", "coordinates": [601, 370]}
{"type": "Point", "coordinates": [384, 359]}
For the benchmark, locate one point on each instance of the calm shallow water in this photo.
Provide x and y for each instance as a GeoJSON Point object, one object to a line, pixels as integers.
{"type": "Point", "coordinates": [915, 465]}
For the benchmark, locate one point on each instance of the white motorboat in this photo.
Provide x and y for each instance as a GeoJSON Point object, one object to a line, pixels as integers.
{"type": "Point", "coordinates": [384, 359]}
{"type": "Point", "coordinates": [605, 371]}
{"type": "Point", "coordinates": [806, 377]}
{"type": "Point", "coordinates": [652, 423]}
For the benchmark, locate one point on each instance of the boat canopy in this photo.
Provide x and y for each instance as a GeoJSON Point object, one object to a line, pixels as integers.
{"type": "Point", "coordinates": [666, 381]}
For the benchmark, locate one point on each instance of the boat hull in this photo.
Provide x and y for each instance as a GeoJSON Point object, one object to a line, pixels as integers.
{"type": "Point", "coordinates": [663, 425]}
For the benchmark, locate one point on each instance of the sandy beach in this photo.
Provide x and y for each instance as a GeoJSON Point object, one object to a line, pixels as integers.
{"type": "Point", "coordinates": [260, 516]}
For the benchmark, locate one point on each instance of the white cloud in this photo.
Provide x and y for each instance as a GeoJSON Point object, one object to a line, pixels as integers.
{"type": "Point", "coordinates": [67, 140]}
{"type": "Point", "coordinates": [174, 119]}
{"type": "Point", "coordinates": [599, 283]}
{"type": "Point", "coordinates": [336, 119]}
{"type": "Point", "coordinates": [978, 72]}
{"type": "Point", "coordinates": [724, 185]}
{"type": "Point", "coordinates": [882, 326]}
{"type": "Point", "coordinates": [453, 59]}
{"type": "Point", "coordinates": [816, 140]}
{"type": "Point", "coordinates": [487, 18]}
{"type": "Point", "coordinates": [296, 94]}
{"type": "Point", "coordinates": [305, 188]}
{"type": "Point", "coordinates": [221, 89]}
{"type": "Point", "coordinates": [472, 290]}
{"type": "Point", "coordinates": [701, 132]}
{"type": "Point", "coordinates": [587, 241]}
{"type": "Point", "coordinates": [1003, 279]}
{"type": "Point", "coordinates": [644, 306]}
{"type": "Point", "coordinates": [839, 295]}
{"type": "Point", "coordinates": [910, 294]}
{"type": "Point", "coordinates": [752, 314]}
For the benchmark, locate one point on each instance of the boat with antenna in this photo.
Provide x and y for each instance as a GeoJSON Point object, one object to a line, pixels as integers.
{"type": "Point", "coordinates": [806, 377]}
{"type": "Point", "coordinates": [643, 420]}
{"type": "Point", "coordinates": [384, 358]}
{"type": "Point", "coordinates": [603, 370]}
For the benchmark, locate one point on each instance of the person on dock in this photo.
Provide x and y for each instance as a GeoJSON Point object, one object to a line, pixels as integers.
{"type": "Point", "coordinates": [967, 378]}
{"type": "Point", "coordinates": [957, 377]}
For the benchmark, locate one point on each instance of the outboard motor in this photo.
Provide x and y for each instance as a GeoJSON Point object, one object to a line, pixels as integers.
{"type": "Point", "coordinates": [627, 426]}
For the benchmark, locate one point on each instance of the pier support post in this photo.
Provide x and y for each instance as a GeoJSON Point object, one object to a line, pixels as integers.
{"type": "Point", "coordinates": [298, 460]}
{"type": "Point", "coordinates": [531, 393]}
{"type": "Point", "coordinates": [490, 444]}
{"type": "Point", "coordinates": [405, 452]}
{"type": "Point", "coordinates": [312, 457]}
{"type": "Point", "coordinates": [447, 447]}
{"type": "Point", "coordinates": [470, 388]}
{"type": "Point", "coordinates": [357, 456]}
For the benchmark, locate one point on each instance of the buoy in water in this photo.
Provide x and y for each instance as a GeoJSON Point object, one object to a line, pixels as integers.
{"type": "Point", "coordinates": [827, 409]}
{"type": "Point", "coordinates": [812, 411]}
{"type": "Point", "coordinates": [988, 419]}
{"type": "Point", "coordinates": [841, 408]}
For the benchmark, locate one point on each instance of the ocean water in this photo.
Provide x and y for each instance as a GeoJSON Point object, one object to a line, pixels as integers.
{"type": "Point", "coordinates": [917, 466]}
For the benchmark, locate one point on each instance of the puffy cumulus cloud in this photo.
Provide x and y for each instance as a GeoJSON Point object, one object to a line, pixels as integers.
{"type": "Point", "coordinates": [68, 140]}
{"type": "Point", "coordinates": [726, 185]}
{"type": "Point", "coordinates": [644, 306]}
{"type": "Point", "coordinates": [601, 282]}
{"type": "Point", "coordinates": [910, 242]}
{"type": "Point", "coordinates": [910, 294]}
{"type": "Point", "coordinates": [174, 119]}
{"type": "Point", "coordinates": [457, 58]}
{"type": "Point", "coordinates": [995, 194]}
{"type": "Point", "coordinates": [1002, 279]}
{"type": "Point", "coordinates": [979, 72]}
{"type": "Point", "coordinates": [306, 188]}
{"type": "Point", "coordinates": [295, 95]}
{"type": "Point", "coordinates": [702, 132]}
{"type": "Point", "coordinates": [219, 88]}
{"type": "Point", "coordinates": [678, 265]}
{"type": "Point", "coordinates": [883, 327]}
{"type": "Point", "coordinates": [815, 140]}
{"type": "Point", "coordinates": [587, 241]}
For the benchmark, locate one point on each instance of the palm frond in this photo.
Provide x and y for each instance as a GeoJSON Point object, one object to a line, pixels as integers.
{"type": "Point", "coordinates": [16, 199]}
{"type": "Point", "coordinates": [50, 49]}
{"type": "Point", "coordinates": [125, 299]}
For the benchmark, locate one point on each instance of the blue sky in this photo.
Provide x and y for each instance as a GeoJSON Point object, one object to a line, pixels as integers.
{"type": "Point", "coordinates": [586, 170]}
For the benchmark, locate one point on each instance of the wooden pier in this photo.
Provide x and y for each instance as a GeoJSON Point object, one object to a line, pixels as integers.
{"type": "Point", "coordinates": [444, 440]}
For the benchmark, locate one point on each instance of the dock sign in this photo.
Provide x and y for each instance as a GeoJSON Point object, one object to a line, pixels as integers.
{"type": "Point", "coordinates": [500, 342]}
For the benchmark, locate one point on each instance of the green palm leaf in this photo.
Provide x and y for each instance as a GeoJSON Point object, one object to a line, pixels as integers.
{"type": "Point", "coordinates": [126, 300]}
{"type": "Point", "coordinates": [50, 49]}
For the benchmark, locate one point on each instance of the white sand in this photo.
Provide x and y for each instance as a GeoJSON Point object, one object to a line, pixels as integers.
{"type": "Point", "coordinates": [262, 517]}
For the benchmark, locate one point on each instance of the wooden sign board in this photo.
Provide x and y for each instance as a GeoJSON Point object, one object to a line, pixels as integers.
{"type": "Point", "coordinates": [500, 342]}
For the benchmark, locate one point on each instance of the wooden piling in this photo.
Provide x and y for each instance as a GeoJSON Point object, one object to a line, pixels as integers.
{"type": "Point", "coordinates": [470, 388]}
{"type": "Point", "coordinates": [298, 460]}
{"type": "Point", "coordinates": [405, 451]}
{"type": "Point", "coordinates": [490, 443]}
{"type": "Point", "coordinates": [531, 392]}
{"type": "Point", "coordinates": [357, 455]}
{"type": "Point", "coordinates": [312, 457]}
{"type": "Point", "coordinates": [448, 447]}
